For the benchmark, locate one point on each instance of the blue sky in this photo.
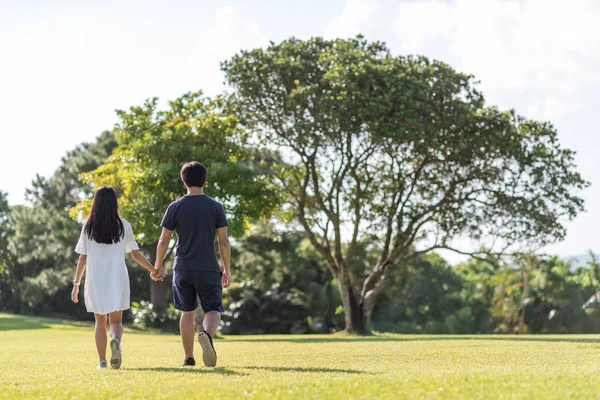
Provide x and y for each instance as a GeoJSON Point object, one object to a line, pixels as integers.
{"type": "Point", "coordinates": [67, 66]}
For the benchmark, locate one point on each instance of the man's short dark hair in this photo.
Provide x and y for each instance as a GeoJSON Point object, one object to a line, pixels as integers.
{"type": "Point", "coordinates": [193, 174]}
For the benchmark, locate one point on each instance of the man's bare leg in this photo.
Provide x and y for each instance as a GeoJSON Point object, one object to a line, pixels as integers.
{"type": "Point", "coordinates": [212, 319]}
{"type": "Point", "coordinates": [210, 325]}
{"type": "Point", "coordinates": [186, 328]}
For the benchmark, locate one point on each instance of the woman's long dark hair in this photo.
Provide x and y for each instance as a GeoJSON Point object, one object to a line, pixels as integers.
{"type": "Point", "coordinates": [103, 224]}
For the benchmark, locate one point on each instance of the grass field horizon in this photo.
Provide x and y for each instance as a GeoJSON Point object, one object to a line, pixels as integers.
{"type": "Point", "coordinates": [51, 358]}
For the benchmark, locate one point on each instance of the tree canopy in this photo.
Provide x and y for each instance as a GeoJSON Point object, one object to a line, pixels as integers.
{"type": "Point", "coordinates": [152, 146]}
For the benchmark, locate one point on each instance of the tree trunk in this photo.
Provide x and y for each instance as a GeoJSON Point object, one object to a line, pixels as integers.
{"type": "Point", "coordinates": [367, 310]}
{"type": "Point", "coordinates": [524, 300]}
{"type": "Point", "coordinates": [373, 287]}
{"type": "Point", "coordinates": [159, 293]}
{"type": "Point", "coordinates": [353, 311]}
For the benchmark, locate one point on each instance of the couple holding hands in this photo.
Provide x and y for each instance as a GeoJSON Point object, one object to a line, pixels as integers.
{"type": "Point", "coordinates": [106, 237]}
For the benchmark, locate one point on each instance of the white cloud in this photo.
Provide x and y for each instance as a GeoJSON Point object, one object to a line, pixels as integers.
{"type": "Point", "coordinates": [348, 23]}
{"type": "Point", "coordinates": [547, 47]}
{"type": "Point", "coordinates": [230, 34]}
{"type": "Point", "coordinates": [541, 57]}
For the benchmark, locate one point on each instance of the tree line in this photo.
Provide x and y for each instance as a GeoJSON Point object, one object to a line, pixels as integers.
{"type": "Point", "coordinates": [343, 169]}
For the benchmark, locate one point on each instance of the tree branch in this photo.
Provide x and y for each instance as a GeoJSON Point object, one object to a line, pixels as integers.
{"type": "Point", "coordinates": [325, 250]}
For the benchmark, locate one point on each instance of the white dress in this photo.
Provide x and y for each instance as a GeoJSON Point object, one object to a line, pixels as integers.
{"type": "Point", "coordinates": [106, 279]}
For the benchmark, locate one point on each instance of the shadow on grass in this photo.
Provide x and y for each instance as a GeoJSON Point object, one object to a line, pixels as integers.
{"type": "Point", "coordinates": [332, 339]}
{"type": "Point", "coordinates": [12, 322]}
{"type": "Point", "coordinates": [309, 370]}
{"type": "Point", "coordinates": [424, 338]}
{"type": "Point", "coordinates": [224, 371]}
{"type": "Point", "coordinates": [308, 339]}
{"type": "Point", "coordinates": [188, 370]}
{"type": "Point", "coordinates": [22, 323]}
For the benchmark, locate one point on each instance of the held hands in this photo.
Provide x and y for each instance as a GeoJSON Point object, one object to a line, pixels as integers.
{"type": "Point", "coordinates": [158, 274]}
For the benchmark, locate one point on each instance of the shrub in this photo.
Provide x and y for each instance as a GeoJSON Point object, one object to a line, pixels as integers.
{"type": "Point", "coordinates": [143, 314]}
{"type": "Point", "coordinates": [252, 311]}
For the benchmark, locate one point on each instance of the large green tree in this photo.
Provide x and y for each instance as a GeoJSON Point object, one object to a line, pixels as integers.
{"type": "Point", "coordinates": [152, 146]}
{"type": "Point", "coordinates": [399, 148]}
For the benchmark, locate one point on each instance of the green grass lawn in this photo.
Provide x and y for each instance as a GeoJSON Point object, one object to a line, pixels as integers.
{"type": "Point", "coordinates": [45, 358]}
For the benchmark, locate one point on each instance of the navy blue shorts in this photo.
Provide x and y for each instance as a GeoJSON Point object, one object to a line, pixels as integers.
{"type": "Point", "coordinates": [189, 285]}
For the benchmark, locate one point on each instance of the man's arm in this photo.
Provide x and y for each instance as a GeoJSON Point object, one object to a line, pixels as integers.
{"type": "Point", "coordinates": [162, 248]}
{"type": "Point", "coordinates": [225, 250]}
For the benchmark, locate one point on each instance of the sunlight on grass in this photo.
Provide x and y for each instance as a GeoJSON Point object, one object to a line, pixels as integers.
{"type": "Point", "coordinates": [46, 358]}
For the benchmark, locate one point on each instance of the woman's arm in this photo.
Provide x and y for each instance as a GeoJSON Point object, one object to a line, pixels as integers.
{"type": "Point", "coordinates": [81, 263]}
{"type": "Point", "coordinates": [140, 259]}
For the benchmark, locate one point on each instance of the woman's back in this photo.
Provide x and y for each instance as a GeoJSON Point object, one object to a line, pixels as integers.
{"type": "Point", "coordinates": [107, 281]}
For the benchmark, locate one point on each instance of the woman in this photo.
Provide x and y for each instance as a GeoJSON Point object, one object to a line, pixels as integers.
{"type": "Point", "coordinates": [104, 240]}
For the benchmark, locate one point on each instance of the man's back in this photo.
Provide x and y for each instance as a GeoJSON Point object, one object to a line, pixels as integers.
{"type": "Point", "coordinates": [195, 218]}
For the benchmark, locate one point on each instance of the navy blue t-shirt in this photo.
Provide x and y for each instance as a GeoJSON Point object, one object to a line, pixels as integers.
{"type": "Point", "coordinates": [196, 219]}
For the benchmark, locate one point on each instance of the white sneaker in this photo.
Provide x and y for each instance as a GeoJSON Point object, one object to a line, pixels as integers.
{"type": "Point", "coordinates": [103, 364]}
{"type": "Point", "coordinates": [116, 357]}
{"type": "Point", "coordinates": [209, 355]}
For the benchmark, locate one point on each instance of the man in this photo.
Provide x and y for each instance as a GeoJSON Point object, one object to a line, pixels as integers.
{"type": "Point", "coordinates": [196, 273]}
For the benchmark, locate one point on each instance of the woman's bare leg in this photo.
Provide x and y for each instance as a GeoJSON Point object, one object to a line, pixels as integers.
{"type": "Point", "coordinates": [100, 335]}
{"type": "Point", "coordinates": [115, 320]}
